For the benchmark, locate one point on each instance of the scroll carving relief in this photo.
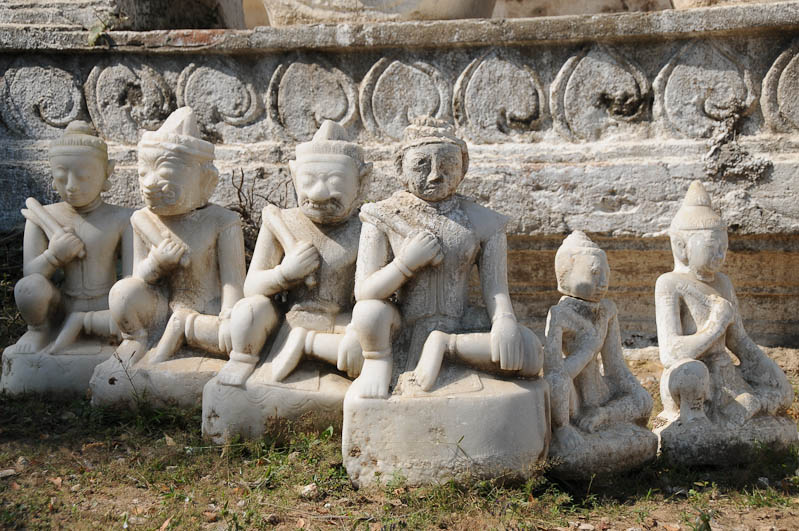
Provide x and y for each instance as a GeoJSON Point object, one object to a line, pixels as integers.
{"type": "Point", "coordinates": [498, 98]}
{"type": "Point", "coordinates": [327, 94]}
{"type": "Point", "coordinates": [126, 96]}
{"type": "Point", "coordinates": [701, 86]}
{"type": "Point", "coordinates": [780, 90]}
{"type": "Point", "coordinates": [394, 92]}
{"type": "Point", "coordinates": [39, 100]}
{"type": "Point", "coordinates": [227, 103]}
{"type": "Point", "coordinates": [598, 91]}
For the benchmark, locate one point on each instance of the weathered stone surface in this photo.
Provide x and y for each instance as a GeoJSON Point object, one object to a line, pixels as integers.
{"type": "Point", "coordinates": [548, 8]}
{"type": "Point", "coordinates": [546, 165]}
{"type": "Point", "coordinates": [125, 14]}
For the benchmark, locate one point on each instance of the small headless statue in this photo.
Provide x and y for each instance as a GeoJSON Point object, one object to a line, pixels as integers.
{"type": "Point", "coordinates": [699, 325]}
{"type": "Point", "coordinates": [309, 254]}
{"type": "Point", "coordinates": [82, 236]}
{"type": "Point", "coordinates": [422, 243]}
{"type": "Point", "coordinates": [588, 395]}
{"type": "Point", "coordinates": [188, 253]}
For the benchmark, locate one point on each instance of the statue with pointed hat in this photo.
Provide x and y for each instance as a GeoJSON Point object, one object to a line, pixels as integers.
{"type": "Point", "coordinates": [440, 377]}
{"type": "Point", "coordinates": [293, 347]}
{"type": "Point", "coordinates": [599, 409]}
{"type": "Point", "coordinates": [713, 407]}
{"type": "Point", "coordinates": [188, 273]}
{"type": "Point", "coordinates": [71, 253]}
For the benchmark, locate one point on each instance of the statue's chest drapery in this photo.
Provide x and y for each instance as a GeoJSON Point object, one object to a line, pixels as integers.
{"type": "Point", "coordinates": [338, 251]}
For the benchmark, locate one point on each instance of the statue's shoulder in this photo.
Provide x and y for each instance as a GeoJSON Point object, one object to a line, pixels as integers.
{"type": "Point", "coordinates": [667, 281]}
{"type": "Point", "coordinates": [610, 307]}
{"type": "Point", "coordinates": [485, 221]}
{"type": "Point", "coordinates": [222, 217]}
{"type": "Point", "coordinates": [380, 210]}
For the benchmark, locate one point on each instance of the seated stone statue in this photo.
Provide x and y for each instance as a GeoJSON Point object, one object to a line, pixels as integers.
{"type": "Point", "coordinates": [712, 405]}
{"type": "Point", "coordinates": [71, 251]}
{"type": "Point", "coordinates": [308, 254]}
{"type": "Point", "coordinates": [188, 271]}
{"type": "Point", "coordinates": [421, 244]}
{"type": "Point", "coordinates": [599, 409]}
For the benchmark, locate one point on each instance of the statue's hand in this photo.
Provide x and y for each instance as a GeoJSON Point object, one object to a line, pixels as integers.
{"type": "Point", "coordinates": [225, 343]}
{"type": "Point", "coordinates": [65, 246]}
{"type": "Point", "coordinates": [722, 312]}
{"type": "Point", "coordinates": [592, 420]}
{"type": "Point", "coordinates": [420, 250]}
{"type": "Point", "coordinates": [350, 356]}
{"type": "Point", "coordinates": [300, 261]}
{"type": "Point", "coordinates": [507, 345]}
{"type": "Point", "coordinates": [168, 253]}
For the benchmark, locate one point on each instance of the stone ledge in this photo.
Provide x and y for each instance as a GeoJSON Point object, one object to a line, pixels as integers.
{"type": "Point", "coordinates": [671, 24]}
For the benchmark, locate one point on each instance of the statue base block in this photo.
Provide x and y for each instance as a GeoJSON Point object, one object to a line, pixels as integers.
{"type": "Point", "coordinates": [616, 449]}
{"type": "Point", "coordinates": [176, 382]}
{"type": "Point", "coordinates": [62, 373]}
{"type": "Point", "coordinates": [473, 426]}
{"type": "Point", "coordinates": [700, 442]}
{"type": "Point", "coordinates": [311, 396]}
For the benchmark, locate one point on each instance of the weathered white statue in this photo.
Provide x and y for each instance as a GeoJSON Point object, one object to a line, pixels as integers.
{"type": "Point", "coordinates": [288, 12]}
{"type": "Point", "coordinates": [308, 254]}
{"type": "Point", "coordinates": [599, 409]}
{"type": "Point", "coordinates": [712, 406]}
{"type": "Point", "coordinates": [82, 238]}
{"type": "Point", "coordinates": [422, 244]}
{"type": "Point", "coordinates": [188, 273]}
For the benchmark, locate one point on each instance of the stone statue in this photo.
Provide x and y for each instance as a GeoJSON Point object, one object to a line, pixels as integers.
{"type": "Point", "coordinates": [712, 406]}
{"type": "Point", "coordinates": [307, 254]}
{"type": "Point", "coordinates": [422, 244]}
{"type": "Point", "coordinates": [289, 12]}
{"type": "Point", "coordinates": [599, 409]}
{"type": "Point", "coordinates": [188, 271]}
{"type": "Point", "coordinates": [81, 239]}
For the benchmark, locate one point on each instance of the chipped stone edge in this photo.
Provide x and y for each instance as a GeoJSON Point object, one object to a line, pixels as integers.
{"type": "Point", "coordinates": [658, 25]}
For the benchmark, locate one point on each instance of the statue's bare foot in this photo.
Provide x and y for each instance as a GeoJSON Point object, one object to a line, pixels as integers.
{"type": "Point", "coordinates": [568, 438]}
{"type": "Point", "coordinates": [743, 408]}
{"type": "Point", "coordinates": [693, 411]}
{"type": "Point", "coordinates": [31, 341]}
{"type": "Point", "coordinates": [290, 354]}
{"type": "Point", "coordinates": [73, 325]}
{"type": "Point", "coordinates": [238, 368]}
{"type": "Point", "coordinates": [172, 338]}
{"type": "Point", "coordinates": [130, 351]}
{"type": "Point", "coordinates": [430, 361]}
{"type": "Point", "coordinates": [374, 379]}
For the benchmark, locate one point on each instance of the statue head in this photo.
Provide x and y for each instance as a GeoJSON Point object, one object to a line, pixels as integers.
{"type": "Point", "coordinates": [698, 235]}
{"type": "Point", "coordinates": [431, 161]}
{"type": "Point", "coordinates": [582, 268]}
{"type": "Point", "coordinates": [176, 166]}
{"type": "Point", "coordinates": [327, 175]}
{"type": "Point", "coordinates": [80, 165]}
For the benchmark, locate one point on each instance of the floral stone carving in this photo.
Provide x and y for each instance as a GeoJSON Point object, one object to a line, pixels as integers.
{"type": "Point", "coordinates": [308, 255]}
{"type": "Point", "coordinates": [439, 396]}
{"type": "Point", "coordinates": [188, 271]}
{"type": "Point", "coordinates": [70, 328]}
{"type": "Point", "coordinates": [599, 409]}
{"type": "Point", "coordinates": [713, 409]}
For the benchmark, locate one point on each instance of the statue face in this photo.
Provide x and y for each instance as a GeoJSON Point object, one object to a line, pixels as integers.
{"type": "Point", "coordinates": [79, 175]}
{"type": "Point", "coordinates": [170, 184]}
{"type": "Point", "coordinates": [327, 187]}
{"type": "Point", "coordinates": [705, 252]}
{"type": "Point", "coordinates": [432, 171]}
{"type": "Point", "coordinates": [588, 277]}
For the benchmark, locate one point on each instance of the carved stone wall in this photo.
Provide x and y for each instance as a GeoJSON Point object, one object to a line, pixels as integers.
{"type": "Point", "coordinates": [593, 123]}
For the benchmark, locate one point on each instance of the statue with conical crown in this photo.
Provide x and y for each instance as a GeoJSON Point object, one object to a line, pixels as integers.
{"type": "Point", "coordinates": [713, 408]}
{"type": "Point", "coordinates": [188, 272]}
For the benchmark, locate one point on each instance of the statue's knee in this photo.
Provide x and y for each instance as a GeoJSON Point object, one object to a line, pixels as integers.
{"type": "Point", "coordinates": [251, 321]}
{"type": "Point", "coordinates": [35, 295]}
{"type": "Point", "coordinates": [131, 301]}
{"type": "Point", "coordinates": [374, 321]}
{"type": "Point", "coordinates": [689, 378]}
